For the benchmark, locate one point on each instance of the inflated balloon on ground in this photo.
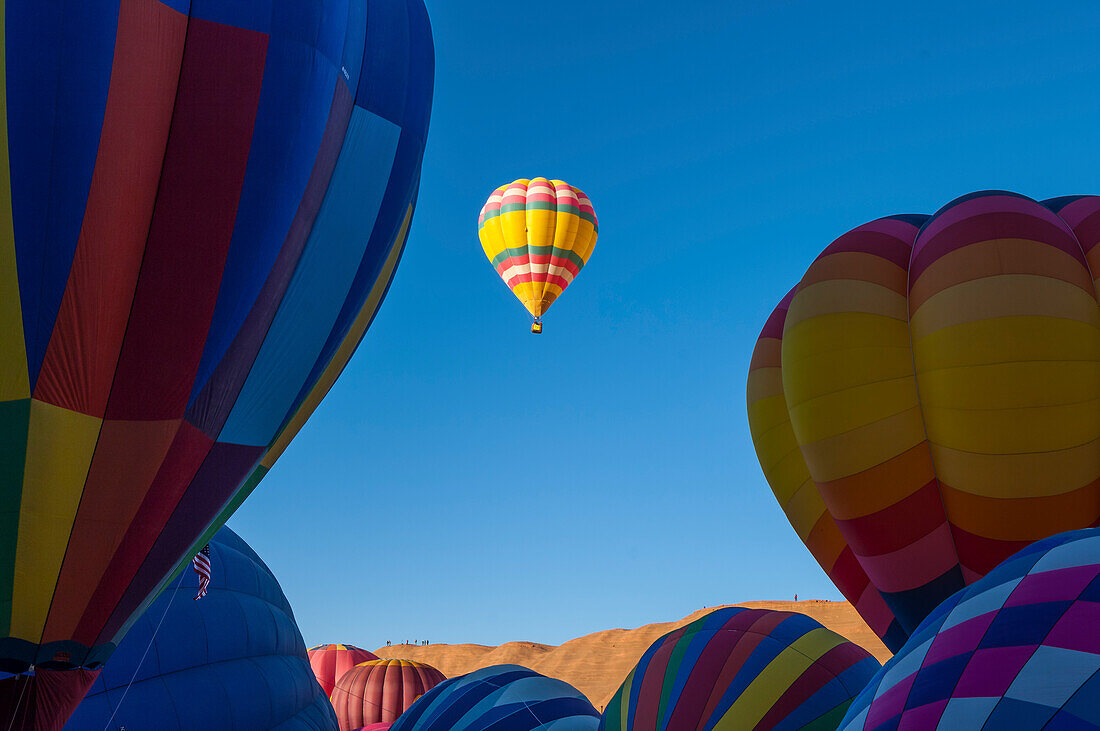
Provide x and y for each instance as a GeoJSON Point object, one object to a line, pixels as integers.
{"type": "Point", "coordinates": [1019, 649]}
{"type": "Point", "coordinates": [742, 668]}
{"type": "Point", "coordinates": [378, 691]}
{"type": "Point", "coordinates": [500, 697]}
{"type": "Point", "coordinates": [538, 234]}
{"type": "Point", "coordinates": [204, 205]}
{"type": "Point", "coordinates": [233, 659]}
{"type": "Point", "coordinates": [923, 403]}
{"type": "Point", "coordinates": [329, 662]}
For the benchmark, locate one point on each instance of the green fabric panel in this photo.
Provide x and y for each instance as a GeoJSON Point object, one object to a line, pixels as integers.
{"type": "Point", "coordinates": [830, 721]}
{"type": "Point", "coordinates": [14, 424]}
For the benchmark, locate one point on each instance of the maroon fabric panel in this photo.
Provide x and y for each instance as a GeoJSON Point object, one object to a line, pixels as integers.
{"type": "Point", "coordinates": [688, 713]}
{"type": "Point", "coordinates": [878, 243]}
{"type": "Point", "coordinates": [989, 226]}
{"type": "Point", "coordinates": [226, 466]}
{"type": "Point", "coordinates": [204, 168]}
{"type": "Point", "coordinates": [43, 701]}
{"type": "Point", "coordinates": [214, 402]}
{"type": "Point", "coordinates": [188, 450]}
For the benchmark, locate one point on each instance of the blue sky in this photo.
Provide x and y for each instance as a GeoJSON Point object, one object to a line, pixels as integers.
{"type": "Point", "coordinates": [466, 481]}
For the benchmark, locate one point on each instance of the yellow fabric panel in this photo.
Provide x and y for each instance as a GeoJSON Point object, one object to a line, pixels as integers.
{"type": "Point", "coordinates": [14, 381]}
{"type": "Point", "coordinates": [1006, 339]}
{"type": "Point", "coordinates": [492, 238]}
{"type": "Point", "coordinates": [837, 331]}
{"type": "Point", "coordinates": [1004, 296]}
{"type": "Point", "coordinates": [865, 447]}
{"type": "Point", "coordinates": [774, 680]}
{"type": "Point", "coordinates": [767, 413]}
{"type": "Point", "coordinates": [837, 413]}
{"type": "Point", "coordinates": [60, 445]}
{"type": "Point", "coordinates": [998, 385]}
{"type": "Point", "coordinates": [845, 295]}
{"type": "Point", "coordinates": [1031, 474]}
{"type": "Point", "coordinates": [344, 352]}
{"type": "Point", "coordinates": [1013, 431]}
{"type": "Point", "coordinates": [1022, 519]}
{"type": "Point", "coordinates": [804, 508]}
{"type": "Point", "coordinates": [840, 370]}
{"type": "Point", "coordinates": [995, 257]}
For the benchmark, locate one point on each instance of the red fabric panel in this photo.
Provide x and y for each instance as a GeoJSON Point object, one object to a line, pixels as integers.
{"type": "Point", "coordinates": [185, 456]}
{"type": "Point", "coordinates": [896, 526]}
{"type": "Point", "coordinates": [43, 701]}
{"type": "Point", "coordinates": [127, 459]}
{"type": "Point", "coordinates": [763, 623]}
{"type": "Point", "coordinates": [329, 663]}
{"type": "Point", "coordinates": [204, 168]}
{"type": "Point", "coordinates": [981, 555]}
{"type": "Point", "coordinates": [80, 360]}
{"type": "Point", "coordinates": [649, 695]}
{"type": "Point", "coordinates": [688, 713]}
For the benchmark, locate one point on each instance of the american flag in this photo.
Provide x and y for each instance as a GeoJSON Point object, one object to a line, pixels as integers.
{"type": "Point", "coordinates": [201, 564]}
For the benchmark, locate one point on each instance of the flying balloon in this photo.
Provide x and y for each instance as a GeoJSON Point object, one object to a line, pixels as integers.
{"type": "Point", "coordinates": [329, 662]}
{"type": "Point", "coordinates": [500, 697]}
{"type": "Point", "coordinates": [378, 691]}
{"type": "Point", "coordinates": [923, 402]}
{"type": "Point", "coordinates": [1018, 649]}
{"type": "Point", "coordinates": [538, 234]}
{"type": "Point", "coordinates": [234, 659]}
{"type": "Point", "coordinates": [204, 204]}
{"type": "Point", "coordinates": [742, 668]}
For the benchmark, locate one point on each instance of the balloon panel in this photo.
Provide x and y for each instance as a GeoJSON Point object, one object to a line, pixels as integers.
{"type": "Point", "coordinates": [206, 203]}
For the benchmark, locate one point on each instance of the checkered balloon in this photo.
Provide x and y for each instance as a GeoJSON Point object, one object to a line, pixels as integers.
{"type": "Point", "coordinates": [1019, 649]}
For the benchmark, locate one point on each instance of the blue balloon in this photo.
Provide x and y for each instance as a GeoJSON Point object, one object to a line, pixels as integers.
{"type": "Point", "coordinates": [233, 659]}
{"type": "Point", "coordinates": [500, 698]}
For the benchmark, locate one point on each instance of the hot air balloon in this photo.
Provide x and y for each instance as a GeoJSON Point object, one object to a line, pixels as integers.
{"type": "Point", "coordinates": [538, 234]}
{"type": "Point", "coordinates": [1018, 649]}
{"type": "Point", "coordinates": [234, 659]}
{"type": "Point", "coordinates": [205, 203]}
{"type": "Point", "coordinates": [923, 403]}
{"type": "Point", "coordinates": [500, 697]}
{"type": "Point", "coordinates": [742, 668]}
{"type": "Point", "coordinates": [329, 662]}
{"type": "Point", "coordinates": [378, 691]}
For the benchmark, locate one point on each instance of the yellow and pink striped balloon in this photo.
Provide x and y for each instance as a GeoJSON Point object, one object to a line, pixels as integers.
{"type": "Point", "coordinates": [538, 234]}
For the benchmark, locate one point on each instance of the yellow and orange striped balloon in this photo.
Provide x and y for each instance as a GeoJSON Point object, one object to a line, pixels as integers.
{"type": "Point", "coordinates": [538, 234]}
{"type": "Point", "coordinates": [926, 401]}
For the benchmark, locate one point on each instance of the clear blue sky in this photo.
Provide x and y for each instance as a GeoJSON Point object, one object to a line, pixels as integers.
{"type": "Point", "coordinates": [466, 481]}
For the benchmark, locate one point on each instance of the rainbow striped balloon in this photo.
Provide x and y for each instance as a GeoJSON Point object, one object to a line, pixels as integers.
{"type": "Point", "coordinates": [742, 668]}
{"type": "Point", "coordinates": [538, 234]}
{"type": "Point", "coordinates": [924, 402]}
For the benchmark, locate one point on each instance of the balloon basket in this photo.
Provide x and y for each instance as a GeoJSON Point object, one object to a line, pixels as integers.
{"type": "Point", "coordinates": [536, 327]}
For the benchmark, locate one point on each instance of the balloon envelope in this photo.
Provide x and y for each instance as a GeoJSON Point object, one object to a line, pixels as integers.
{"type": "Point", "coordinates": [923, 402]}
{"type": "Point", "coordinates": [748, 668]}
{"type": "Point", "coordinates": [378, 691]}
{"type": "Point", "coordinates": [1018, 649]}
{"type": "Point", "coordinates": [233, 659]}
{"type": "Point", "coordinates": [329, 662]}
{"type": "Point", "coordinates": [500, 697]}
{"type": "Point", "coordinates": [538, 235]}
{"type": "Point", "coordinates": [207, 202]}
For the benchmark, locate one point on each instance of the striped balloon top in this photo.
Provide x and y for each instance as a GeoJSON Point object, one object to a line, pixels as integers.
{"type": "Point", "coordinates": [378, 691]}
{"type": "Point", "coordinates": [500, 698]}
{"type": "Point", "coordinates": [742, 668]}
{"type": "Point", "coordinates": [538, 234]}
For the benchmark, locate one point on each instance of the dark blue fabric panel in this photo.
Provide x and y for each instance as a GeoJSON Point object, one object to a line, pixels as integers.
{"type": "Point", "coordinates": [384, 78]}
{"type": "Point", "coordinates": [418, 99]}
{"type": "Point", "coordinates": [59, 57]}
{"type": "Point", "coordinates": [251, 14]}
{"type": "Point", "coordinates": [295, 101]}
